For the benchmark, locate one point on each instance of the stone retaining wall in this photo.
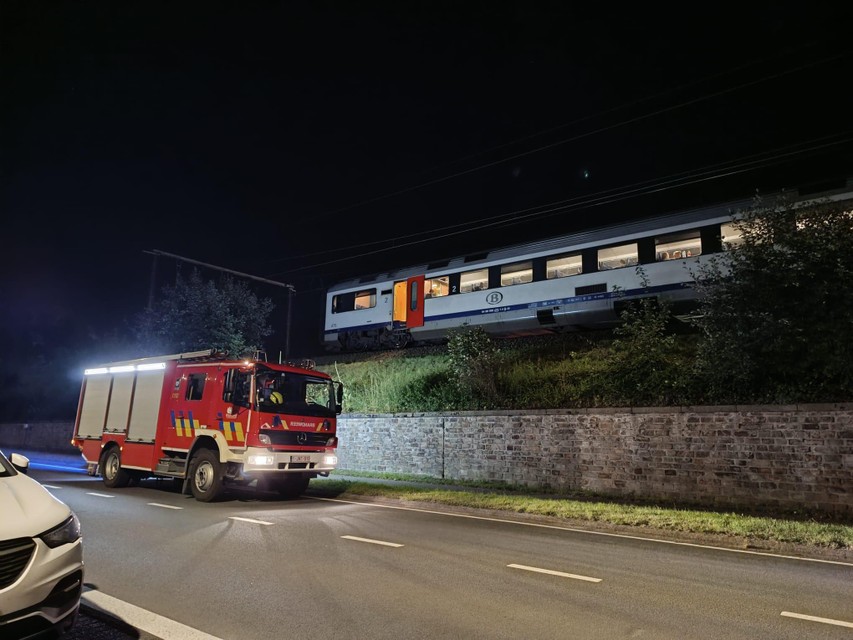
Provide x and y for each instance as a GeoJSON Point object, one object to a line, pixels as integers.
{"type": "Point", "coordinates": [37, 436]}
{"type": "Point", "coordinates": [788, 457]}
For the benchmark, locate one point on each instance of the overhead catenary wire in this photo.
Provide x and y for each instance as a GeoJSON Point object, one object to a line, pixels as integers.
{"type": "Point", "coordinates": [593, 132]}
{"type": "Point", "coordinates": [777, 153]}
{"type": "Point", "coordinates": [608, 196]}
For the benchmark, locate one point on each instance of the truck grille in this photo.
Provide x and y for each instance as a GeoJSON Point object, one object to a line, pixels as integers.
{"type": "Point", "coordinates": [312, 438]}
{"type": "Point", "coordinates": [14, 557]}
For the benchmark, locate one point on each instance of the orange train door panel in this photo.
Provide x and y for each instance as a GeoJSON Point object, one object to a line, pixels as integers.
{"type": "Point", "coordinates": [409, 302]}
{"type": "Point", "coordinates": [415, 302]}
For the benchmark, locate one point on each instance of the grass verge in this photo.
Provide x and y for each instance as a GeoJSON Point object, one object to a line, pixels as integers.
{"type": "Point", "coordinates": [510, 499]}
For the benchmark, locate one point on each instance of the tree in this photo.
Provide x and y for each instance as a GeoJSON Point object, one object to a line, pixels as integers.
{"type": "Point", "coordinates": [777, 308]}
{"type": "Point", "coordinates": [195, 314]}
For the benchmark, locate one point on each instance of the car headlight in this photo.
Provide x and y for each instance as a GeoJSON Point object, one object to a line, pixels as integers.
{"type": "Point", "coordinates": [67, 532]}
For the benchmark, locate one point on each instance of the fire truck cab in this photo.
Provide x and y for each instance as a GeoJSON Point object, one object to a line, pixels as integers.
{"type": "Point", "coordinates": [208, 422]}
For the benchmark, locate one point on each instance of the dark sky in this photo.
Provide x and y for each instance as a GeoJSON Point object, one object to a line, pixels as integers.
{"type": "Point", "coordinates": [272, 138]}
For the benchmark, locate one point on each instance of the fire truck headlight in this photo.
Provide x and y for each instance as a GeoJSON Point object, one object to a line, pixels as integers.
{"type": "Point", "coordinates": [330, 461]}
{"type": "Point", "coordinates": [264, 438]}
{"type": "Point", "coordinates": [261, 461]}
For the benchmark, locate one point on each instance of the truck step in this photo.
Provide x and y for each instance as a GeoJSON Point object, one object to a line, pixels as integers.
{"type": "Point", "coordinates": [171, 466]}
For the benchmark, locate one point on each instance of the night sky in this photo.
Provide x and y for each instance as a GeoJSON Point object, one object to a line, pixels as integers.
{"type": "Point", "coordinates": [279, 139]}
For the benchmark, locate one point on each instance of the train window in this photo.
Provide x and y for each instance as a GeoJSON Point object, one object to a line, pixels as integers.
{"type": "Point", "coordinates": [624, 255]}
{"type": "Point", "coordinates": [678, 246]}
{"type": "Point", "coordinates": [516, 273]}
{"type": "Point", "coordinates": [353, 301]}
{"type": "Point", "coordinates": [436, 287]}
{"type": "Point", "coordinates": [731, 235]}
{"type": "Point", "coordinates": [365, 299]}
{"type": "Point", "coordinates": [563, 266]}
{"type": "Point", "coordinates": [474, 281]}
{"type": "Point", "coordinates": [413, 298]}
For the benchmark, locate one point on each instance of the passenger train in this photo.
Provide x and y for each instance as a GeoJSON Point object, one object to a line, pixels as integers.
{"type": "Point", "coordinates": [569, 283]}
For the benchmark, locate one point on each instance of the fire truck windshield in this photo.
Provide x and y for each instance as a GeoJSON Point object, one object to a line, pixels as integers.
{"type": "Point", "coordinates": [280, 392]}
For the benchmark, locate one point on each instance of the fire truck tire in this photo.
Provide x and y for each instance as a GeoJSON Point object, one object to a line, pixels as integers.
{"type": "Point", "coordinates": [206, 476]}
{"type": "Point", "coordinates": [114, 476]}
{"type": "Point", "coordinates": [292, 487]}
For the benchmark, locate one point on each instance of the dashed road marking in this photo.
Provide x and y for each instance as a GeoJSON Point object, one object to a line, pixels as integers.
{"type": "Point", "coordinates": [50, 486]}
{"type": "Point", "coordinates": [163, 506]}
{"type": "Point", "coordinates": [99, 495]}
{"type": "Point", "coordinates": [142, 619]}
{"type": "Point", "coordinates": [551, 572]}
{"type": "Point", "coordinates": [802, 616]}
{"type": "Point", "coordinates": [249, 520]}
{"type": "Point", "coordinates": [380, 542]}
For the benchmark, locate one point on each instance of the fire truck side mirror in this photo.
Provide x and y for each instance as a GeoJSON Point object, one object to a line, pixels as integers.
{"type": "Point", "coordinates": [339, 395]}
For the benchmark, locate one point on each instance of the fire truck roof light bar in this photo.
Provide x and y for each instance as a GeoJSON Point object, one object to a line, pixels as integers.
{"type": "Point", "coordinates": [151, 363]}
{"type": "Point", "coordinates": [148, 366]}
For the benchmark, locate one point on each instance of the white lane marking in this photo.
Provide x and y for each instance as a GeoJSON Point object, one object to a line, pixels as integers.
{"type": "Point", "coordinates": [142, 619]}
{"type": "Point", "coordinates": [163, 506]}
{"type": "Point", "coordinates": [50, 486]}
{"type": "Point", "coordinates": [385, 544]}
{"type": "Point", "coordinates": [586, 531]}
{"type": "Point", "coordinates": [249, 520]}
{"type": "Point", "coordinates": [801, 616]}
{"type": "Point", "coordinates": [99, 495]}
{"type": "Point", "coordinates": [554, 573]}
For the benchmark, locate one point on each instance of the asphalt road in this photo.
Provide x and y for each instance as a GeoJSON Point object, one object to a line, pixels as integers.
{"type": "Point", "coordinates": [253, 566]}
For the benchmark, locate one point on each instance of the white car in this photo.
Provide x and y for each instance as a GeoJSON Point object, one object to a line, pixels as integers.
{"type": "Point", "coordinates": [41, 556]}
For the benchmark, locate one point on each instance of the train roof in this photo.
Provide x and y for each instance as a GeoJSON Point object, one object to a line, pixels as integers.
{"type": "Point", "coordinates": [613, 233]}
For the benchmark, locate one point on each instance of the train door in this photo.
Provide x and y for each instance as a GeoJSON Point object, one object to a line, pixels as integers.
{"type": "Point", "coordinates": [409, 302]}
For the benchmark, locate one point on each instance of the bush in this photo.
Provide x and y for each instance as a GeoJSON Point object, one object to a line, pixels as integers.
{"type": "Point", "coordinates": [473, 357]}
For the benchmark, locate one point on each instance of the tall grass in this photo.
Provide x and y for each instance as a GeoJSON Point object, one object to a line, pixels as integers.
{"type": "Point", "coordinates": [560, 372]}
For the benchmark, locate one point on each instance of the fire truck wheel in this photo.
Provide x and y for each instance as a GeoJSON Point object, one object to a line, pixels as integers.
{"type": "Point", "coordinates": [293, 487]}
{"type": "Point", "coordinates": [206, 478]}
{"type": "Point", "coordinates": [114, 476]}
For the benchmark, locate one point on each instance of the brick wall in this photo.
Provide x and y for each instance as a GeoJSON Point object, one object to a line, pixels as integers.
{"type": "Point", "coordinates": [782, 456]}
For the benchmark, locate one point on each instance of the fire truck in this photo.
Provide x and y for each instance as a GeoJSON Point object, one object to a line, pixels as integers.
{"type": "Point", "coordinates": [208, 422]}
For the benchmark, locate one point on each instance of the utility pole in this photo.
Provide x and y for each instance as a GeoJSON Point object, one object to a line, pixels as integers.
{"type": "Point", "coordinates": [290, 288]}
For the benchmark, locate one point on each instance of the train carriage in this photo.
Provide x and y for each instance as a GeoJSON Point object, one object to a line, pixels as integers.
{"type": "Point", "coordinates": [567, 283]}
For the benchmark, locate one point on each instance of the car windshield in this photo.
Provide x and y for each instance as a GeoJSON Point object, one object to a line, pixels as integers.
{"type": "Point", "coordinates": [281, 392]}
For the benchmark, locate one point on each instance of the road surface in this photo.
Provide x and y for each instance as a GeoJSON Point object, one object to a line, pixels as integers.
{"type": "Point", "coordinates": [255, 567]}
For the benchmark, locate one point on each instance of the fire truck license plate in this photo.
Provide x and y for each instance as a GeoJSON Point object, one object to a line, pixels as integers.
{"type": "Point", "coordinates": [300, 458]}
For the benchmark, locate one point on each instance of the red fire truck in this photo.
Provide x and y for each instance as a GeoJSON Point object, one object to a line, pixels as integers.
{"type": "Point", "coordinates": [207, 422]}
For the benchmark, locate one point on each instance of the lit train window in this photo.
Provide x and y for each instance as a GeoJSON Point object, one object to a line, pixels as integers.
{"type": "Point", "coordinates": [365, 299]}
{"type": "Point", "coordinates": [354, 301]}
{"type": "Point", "coordinates": [730, 235]}
{"type": "Point", "coordinates": [564, 266]}
{"type": "Point", "coordinates": [436, 287]}
{"type": "Point", "coordinates": [517, 273]}
{"type": "Point", "coordinates": [615, 257]}
{"type": "Point", "coordinates": [678, 246]}
{"type": "Point", "coordinates": [474, 281]}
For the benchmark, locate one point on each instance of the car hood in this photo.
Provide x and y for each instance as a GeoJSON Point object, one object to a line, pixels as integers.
{"type": "Point", "coordinates": [28, 508]}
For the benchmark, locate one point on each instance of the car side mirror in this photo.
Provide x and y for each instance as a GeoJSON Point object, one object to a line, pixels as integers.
{"type": "Point", "coordinates": [21, 463]}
